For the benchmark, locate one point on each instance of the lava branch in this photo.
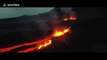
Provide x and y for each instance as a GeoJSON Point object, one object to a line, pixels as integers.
{"type": "Point", "coordinates": [46, 41]}
{"type": "Point", "coordinates": [42, 44]}
{"type": "Point", "coordinates": [38, 44]}
{"type": "Point", "coordinates": [21, 45]}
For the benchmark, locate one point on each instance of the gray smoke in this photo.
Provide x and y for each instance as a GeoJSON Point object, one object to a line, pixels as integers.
{"type": "Point", "coordinates": [46, 20]}
{"type": "Point", "coordinates": [43, 21]}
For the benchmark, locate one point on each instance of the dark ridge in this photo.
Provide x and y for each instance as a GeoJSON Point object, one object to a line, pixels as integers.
{"type": "Point", "coordinates": [88, 33]}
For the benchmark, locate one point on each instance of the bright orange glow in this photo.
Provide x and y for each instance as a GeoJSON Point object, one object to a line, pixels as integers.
{"type": "Point", "coordinates": [60, 32]}
{"type": "Point", "coordinates": [66, 30]}
{"type": "Point", "coordinates": [17, 46]}
{"type": "Point", "coordinates": [44, 43]}
{"type": "Point", "coordinates": [73, 18]}
{"type": "Point", "coordinates": [65, 19]}
{"type": "Point", "coordinates": [40, 44]}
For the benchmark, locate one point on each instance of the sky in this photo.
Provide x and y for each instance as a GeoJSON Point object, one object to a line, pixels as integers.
{"type": "Point", "coordinates": [20, 11]}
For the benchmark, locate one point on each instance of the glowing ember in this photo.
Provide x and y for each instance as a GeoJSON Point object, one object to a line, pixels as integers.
{"type": "Point", "coordinates": [60, 32]}
{"type": "Point", "coordinates": [65, 19]}
{"type": "Point", "coordinates": [45, 44]}
{"type": "Point", "coordinates": [67, 30]}
{"type": "Point", "coordinates": [71, 18]}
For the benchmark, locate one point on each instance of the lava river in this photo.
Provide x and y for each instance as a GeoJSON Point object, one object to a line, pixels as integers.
{"type": "Point", "coordinates": [40, 44]}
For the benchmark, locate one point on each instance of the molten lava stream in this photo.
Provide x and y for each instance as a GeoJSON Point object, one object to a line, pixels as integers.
{"type": "Point", "coordinates": [21, 45]}
{"type": "Point", "coordinates": [38, 44]}
{"type": "Point", "coordinates": [60, 32]}
{"type": "Point", "coordinates": [41, 45]}
{"type": "Point", "coordinates": [46, 41]}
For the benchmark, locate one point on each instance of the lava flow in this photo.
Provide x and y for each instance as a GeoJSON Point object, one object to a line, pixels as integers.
{"type": "Point", "coordinates": [71, 18]}
{"type": "Point", "coordinates": [38, 44]}
{"type": "Point", "coordinates": [44, 43]}
{"type": "Point", "coordinates": [60, 32]}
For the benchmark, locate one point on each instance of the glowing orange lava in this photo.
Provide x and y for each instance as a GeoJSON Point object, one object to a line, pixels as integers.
{"type": "Point", "coordinates": [46, 43]}
{"type": "Point", "coordinates": [65, 19]}
{"type": "Point", "coordinates": [39, 46]}
{"type": "Point", "coordinates": [71, 18]}
{"type": "Point", "coordinates": [60, 32]}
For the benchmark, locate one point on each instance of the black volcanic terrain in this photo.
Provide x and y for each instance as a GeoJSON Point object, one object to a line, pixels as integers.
{"type": "Point", "coordinates": [88, 33]}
